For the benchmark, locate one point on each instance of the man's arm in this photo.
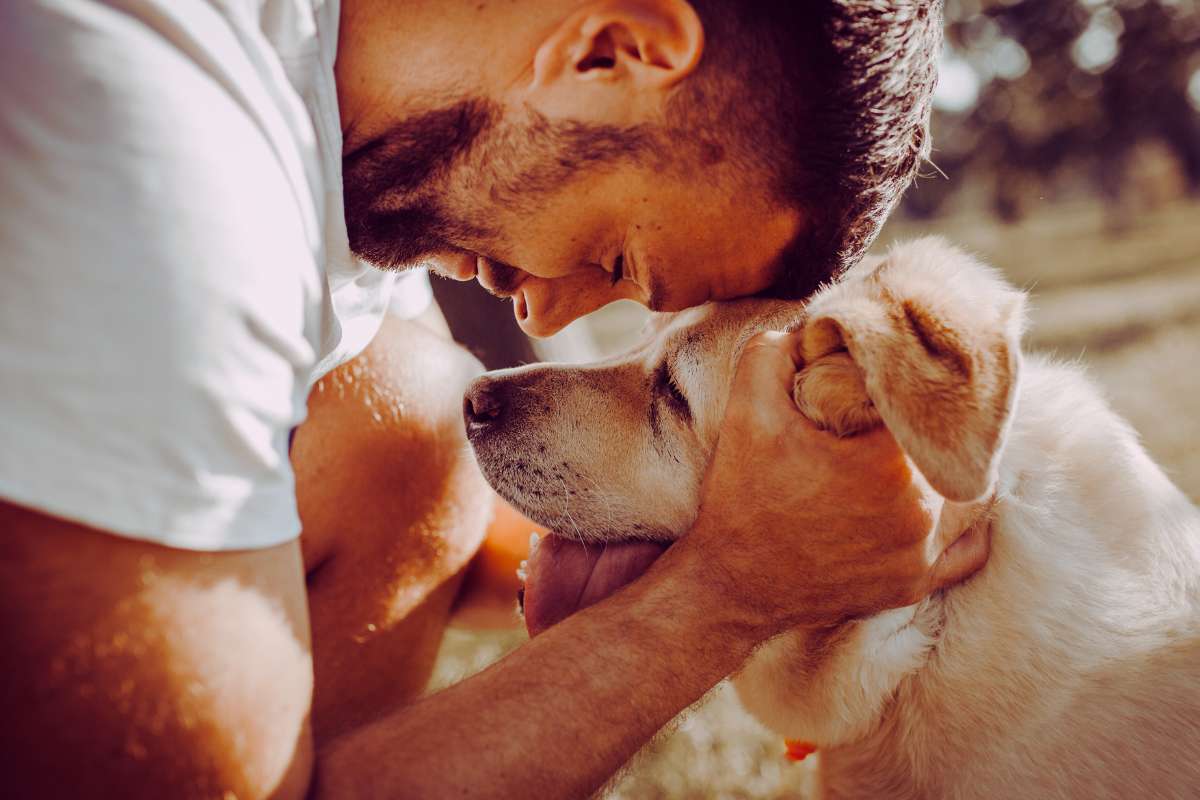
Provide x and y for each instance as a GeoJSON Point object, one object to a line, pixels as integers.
{"type": "Point", "coordinates": [138, 671]}
{"type": "Point", "coordinates": [560, 715]}
{"type": "Point", "coordinates": [133, 670]}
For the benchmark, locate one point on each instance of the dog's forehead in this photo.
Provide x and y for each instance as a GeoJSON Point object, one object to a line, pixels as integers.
{"type": "Point", "coordinates": [714, 324]}
{"type": "Point", "coordinates": [666, 324]}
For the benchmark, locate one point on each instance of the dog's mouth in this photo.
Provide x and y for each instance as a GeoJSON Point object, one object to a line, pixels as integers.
{"type": "Point", "coordinates": [565, 576]}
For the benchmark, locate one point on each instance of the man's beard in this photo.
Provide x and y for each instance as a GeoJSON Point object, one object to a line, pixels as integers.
{"type": "Point", "coordinates": [394, 186]}
{"type": "Point", "coordinates": [397, 186]}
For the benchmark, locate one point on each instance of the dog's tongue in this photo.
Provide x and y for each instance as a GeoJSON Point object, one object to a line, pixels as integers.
{"type": "Point", "coordinates": [566, 576]}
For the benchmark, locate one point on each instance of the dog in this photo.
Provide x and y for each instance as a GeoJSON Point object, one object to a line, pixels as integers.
{"type": "Point", "coordinates": [1068, 667]}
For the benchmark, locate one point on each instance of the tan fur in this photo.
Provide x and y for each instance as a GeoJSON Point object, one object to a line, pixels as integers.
{"type": "Point", "coordinates": [937, 339]}
{"type": "Point", "coordinates": [1068, 668]}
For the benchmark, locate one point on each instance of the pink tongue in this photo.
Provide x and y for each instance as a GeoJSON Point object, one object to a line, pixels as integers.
{"type": "Point", "coordinates": [566, 576]}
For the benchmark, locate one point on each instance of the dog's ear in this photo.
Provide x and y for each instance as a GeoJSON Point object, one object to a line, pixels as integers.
{"type": "Point", "coordinates": [935, 337]}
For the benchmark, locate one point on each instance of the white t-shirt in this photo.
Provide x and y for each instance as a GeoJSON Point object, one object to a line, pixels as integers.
{"type": "Point", "coordinates": [175, 269]}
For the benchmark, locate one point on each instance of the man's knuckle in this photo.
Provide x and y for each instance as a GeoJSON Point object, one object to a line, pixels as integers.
{"type": "Point", "coordinates": [762, 338]}
{"type": "Point", "coordinates": [910, 595]}
{"type": "Point", "coordinates": [911, 536]}
{"type": "Point", "coordinates": [912, 570]}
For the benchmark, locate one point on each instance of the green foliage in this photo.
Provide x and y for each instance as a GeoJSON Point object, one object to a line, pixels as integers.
{"type": "Point", "coordinates": [1054, 96]}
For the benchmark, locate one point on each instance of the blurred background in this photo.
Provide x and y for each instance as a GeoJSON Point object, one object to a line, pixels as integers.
{"type": "Point", "coordinates": [1067, 153]}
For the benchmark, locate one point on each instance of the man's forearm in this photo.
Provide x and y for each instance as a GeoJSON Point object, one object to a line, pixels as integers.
{"type": "Point", "coordinates": [560, 715]}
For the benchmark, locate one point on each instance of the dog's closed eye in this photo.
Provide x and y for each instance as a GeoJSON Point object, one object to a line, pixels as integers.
{"type": "Point", "coordinates": [667, 388]}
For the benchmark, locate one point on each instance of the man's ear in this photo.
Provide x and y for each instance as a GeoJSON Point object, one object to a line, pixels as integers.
{"type": "Point", "coordinates": [608, 51]}
{"type": "Point", "coordinates": [936, 336]}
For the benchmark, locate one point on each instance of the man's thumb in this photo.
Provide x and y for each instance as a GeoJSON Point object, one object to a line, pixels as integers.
{"type": "Point", "coordinates": [766, 373]}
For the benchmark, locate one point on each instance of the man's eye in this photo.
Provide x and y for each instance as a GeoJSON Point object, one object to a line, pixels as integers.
{"type": "Point", "coordinates": [618, 270]}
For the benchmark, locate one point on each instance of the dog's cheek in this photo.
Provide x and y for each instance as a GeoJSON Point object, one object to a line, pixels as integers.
{"type": "Point", "coordinates": [672, 491]}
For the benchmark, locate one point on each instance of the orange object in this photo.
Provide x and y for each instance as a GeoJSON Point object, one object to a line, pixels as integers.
{"type": "Point", "coordinates": [489, 594]}
{"type": "Point", "coordinates": [507, 543]}
{"type": "Point", "coordinates": [798, 750]}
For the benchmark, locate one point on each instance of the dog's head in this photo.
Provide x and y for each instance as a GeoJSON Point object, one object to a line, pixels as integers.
{"type": "Point", "coordinates": [616, 448]}
{"type": "Point", "coordinates": [924, 340]}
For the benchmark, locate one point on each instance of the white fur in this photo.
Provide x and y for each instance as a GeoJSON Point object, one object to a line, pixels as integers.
{"type": "Point", "coordinates": [1068, 668]}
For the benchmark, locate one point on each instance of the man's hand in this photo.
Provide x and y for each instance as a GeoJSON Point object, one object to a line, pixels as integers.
{"type": "Point", "coordinates": [826, 529]}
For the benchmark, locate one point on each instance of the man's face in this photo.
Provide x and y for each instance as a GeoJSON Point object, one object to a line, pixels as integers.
{"type": "Point", "coordinates": [561, 218]}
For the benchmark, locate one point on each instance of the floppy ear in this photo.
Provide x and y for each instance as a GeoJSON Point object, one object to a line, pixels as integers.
{"type": "Point", "coordinates": [931, 337]}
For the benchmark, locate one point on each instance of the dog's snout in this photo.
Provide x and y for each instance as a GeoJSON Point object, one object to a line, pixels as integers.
{"type": "Point", "coordinates": [484, 405]}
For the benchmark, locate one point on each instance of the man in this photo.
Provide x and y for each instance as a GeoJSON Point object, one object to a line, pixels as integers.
{"type": "Point", "coordinates": [178, 275]}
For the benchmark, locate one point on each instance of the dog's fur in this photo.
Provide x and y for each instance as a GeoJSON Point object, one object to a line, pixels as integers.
{"type": "Point", "coordinates": [1069, 667]}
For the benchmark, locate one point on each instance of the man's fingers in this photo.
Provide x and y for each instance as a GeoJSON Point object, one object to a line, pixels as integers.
{"type": "Point", "coordinates": [964, 557]}
{"type": "Point", "coordinates": [770, 355]}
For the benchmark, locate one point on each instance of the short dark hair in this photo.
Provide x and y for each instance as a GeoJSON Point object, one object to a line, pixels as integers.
{"type": "Point", "coordinates": [831, 99]}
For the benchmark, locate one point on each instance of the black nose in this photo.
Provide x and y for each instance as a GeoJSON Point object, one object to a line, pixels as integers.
{"type": "Point", "coordinates": [483, 405]}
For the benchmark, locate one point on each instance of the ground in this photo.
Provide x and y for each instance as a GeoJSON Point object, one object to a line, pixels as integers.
{"type": "Point", "coordinates": [1127, 304]}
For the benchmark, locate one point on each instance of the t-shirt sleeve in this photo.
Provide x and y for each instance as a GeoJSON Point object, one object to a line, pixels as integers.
{"type": "Point", "coordinates": [158, 284]}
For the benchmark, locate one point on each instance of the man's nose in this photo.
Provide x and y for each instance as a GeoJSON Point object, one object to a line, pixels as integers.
{"type": "Point", "coordinates": [544, 307]}
{"type": "Point", "coordinates": [499, 279]}
{"type": "Point", "coordinates": [485, 405]}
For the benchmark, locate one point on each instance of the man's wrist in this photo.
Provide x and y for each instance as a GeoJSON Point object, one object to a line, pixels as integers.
{"type": "Point", "coordinates": [704, 603]}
